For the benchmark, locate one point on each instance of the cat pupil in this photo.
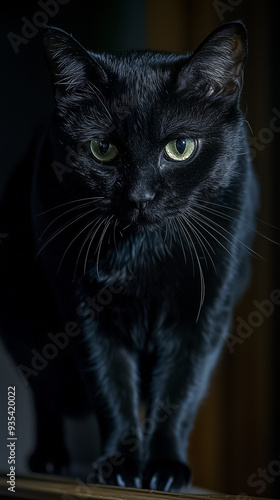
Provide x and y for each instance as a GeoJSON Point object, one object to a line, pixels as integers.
{"type": "Point", "coordinates": [103, 146]}
{"type": "Point", "coordinates": [181, 145]}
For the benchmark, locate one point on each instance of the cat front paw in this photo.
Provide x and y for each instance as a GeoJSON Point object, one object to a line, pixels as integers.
{"type": "Point", "coordinates": [167, 475]}
{"type": "Point", "coordinates": [118, 471]}
{"type": "Point", "coordinates": [46, 463]}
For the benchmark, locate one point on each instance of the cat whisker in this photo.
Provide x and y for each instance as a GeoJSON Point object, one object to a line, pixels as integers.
{"type": "Point", "coordinates": [232, 209]}
{"type": "Point", "coordinates": [88, 236]}
{"type": "Point", "coordinates": [176, 222]}
{"type": "Point", "coordinates": [203, 218]}
{"type": "Point", "coordinates": [63, 228]}
{"type": "Point", "coordinates": [202, 241]}
{"type": "Point", "coordinates": [169, 232]}
{"type": "Point", "coordinates": [201, 275]}
{"type": "Point", "coordinates": [91, 199]}
{"type": "Point", "coordinates": [249, 126]}
{"type": "Point", "coordinates": [207, 209]}
{"type": "Point", "coordinates": [189, 243]}
{"type": "Point", "coordinates": [208, 223]}
{"type": "Point", "coordinates": [90, 243]}
{"type": "Point", "coordinates": [204, 224]}
{"type": "Point", "coordinates": [71, 243]}
{"type": "Point", "coordinates": [114, 235]}
{"type": "Point", "coordinates": [159, 227]}
{"type": "Point", "coordinates": [183, 221]}
{"type": "Point", "coordinates": [172, 229]}
{"type": "Point", "coordinates": [172, 234]}
{"type": "Point", "coordinates": [65, 213]}
{"type": "Point", "coordinates": [107, 224]}
{"type": "Point", "coordinates": [229, 217]}
{"type": "Point", "coordinates": [166, 232]}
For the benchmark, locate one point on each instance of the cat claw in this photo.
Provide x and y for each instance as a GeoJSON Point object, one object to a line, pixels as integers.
{"type": "Point", "coordinates": [136, 482]}
{"type": "Point", "coordinates": [127, 474]}
{"type": "Point", "coordinates": [167, 475]}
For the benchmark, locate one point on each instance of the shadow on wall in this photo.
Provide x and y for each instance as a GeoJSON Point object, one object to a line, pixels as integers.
{"type": "Point", "coordinates": [25, 423]}
{"type": "Point", "coordinates": [82, 436]}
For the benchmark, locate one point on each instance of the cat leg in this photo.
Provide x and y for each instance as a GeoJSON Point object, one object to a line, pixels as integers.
{"type": "Point", "coordinates": [178, 385]}
{"type": "Point", "coordinates": [50, 455]}
{"type": "Point", "coordinates": [114, 386]}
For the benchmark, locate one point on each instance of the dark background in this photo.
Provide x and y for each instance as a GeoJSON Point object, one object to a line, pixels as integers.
{"type": "Point", "coordinates": [235, 445]}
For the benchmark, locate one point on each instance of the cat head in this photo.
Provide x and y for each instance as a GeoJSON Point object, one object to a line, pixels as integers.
{"type": "Point", "coordinates": [152, 132]}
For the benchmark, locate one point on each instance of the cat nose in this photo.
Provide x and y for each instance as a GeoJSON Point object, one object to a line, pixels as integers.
{"type": "Point", "coordinates": [141, 199]}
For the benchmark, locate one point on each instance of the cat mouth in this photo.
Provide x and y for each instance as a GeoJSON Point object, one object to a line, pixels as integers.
{"type": "Point", "coordinates": [140, 221]}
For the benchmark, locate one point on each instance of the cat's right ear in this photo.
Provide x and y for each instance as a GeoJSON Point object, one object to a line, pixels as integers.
{"type": "Point", "coordinates": [216, 67]}
{"type": "Point", "coordinates": [71, 66]}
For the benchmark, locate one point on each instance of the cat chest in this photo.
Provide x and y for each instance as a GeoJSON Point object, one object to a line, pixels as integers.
{"type": "Point", "coordinates": [136, 306]}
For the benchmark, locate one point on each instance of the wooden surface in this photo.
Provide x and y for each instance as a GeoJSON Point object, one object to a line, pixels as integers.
{"type": "Point", "coordinates": [48, 488]}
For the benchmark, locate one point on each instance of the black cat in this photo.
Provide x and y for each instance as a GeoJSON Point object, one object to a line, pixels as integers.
{"type": "Point", "coordinates": [130, 229]}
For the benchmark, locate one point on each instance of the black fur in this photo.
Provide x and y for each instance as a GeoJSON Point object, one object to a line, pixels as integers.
{"type": "Point", "coordinates": [139, 260]}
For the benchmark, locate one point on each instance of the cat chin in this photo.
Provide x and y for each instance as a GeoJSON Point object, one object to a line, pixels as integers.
{"type": "Point", "coordinates": [148, 228]}
{"type": "Point", "coordinates": [142, 227]}
{"type": "Point", "coordinates": [140, 223]}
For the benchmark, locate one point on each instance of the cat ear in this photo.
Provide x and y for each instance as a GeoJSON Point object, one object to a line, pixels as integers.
{"type": "Point", "coordinates": [71, 66]}
{"type": "Point", "coordinates": [216, 67]}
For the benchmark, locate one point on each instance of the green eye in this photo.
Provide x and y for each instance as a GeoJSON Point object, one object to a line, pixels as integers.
{"type": "Point", "coordinates": [103, 151]}
{"type": "Point", "coordinates": [180, 149]}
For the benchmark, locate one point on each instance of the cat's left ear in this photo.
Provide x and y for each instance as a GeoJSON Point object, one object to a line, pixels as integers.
{"type": "Point", "coordinates": [216, 67]}
{"type": "Point", "coordinates": [71, 66]}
